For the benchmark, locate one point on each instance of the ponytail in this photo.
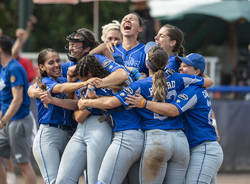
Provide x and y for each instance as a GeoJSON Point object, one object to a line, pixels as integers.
{"type": "Point", "coordinates": [159, 86]}
{"type": "Point", "coordinates": [157, 61]}
{"type": "Point", "coordinates": [181, 51]}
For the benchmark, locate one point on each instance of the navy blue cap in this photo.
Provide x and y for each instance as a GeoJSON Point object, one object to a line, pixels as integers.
{"type": "Point", "coordinates": [195, 60]}
{"type": "Point", "coordinates": [149, 45]}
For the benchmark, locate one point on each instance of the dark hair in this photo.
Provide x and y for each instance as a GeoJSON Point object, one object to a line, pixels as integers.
{"type": "Point", "coordinates": [89, 64]}
{"type": "Point", "coordinates": [88, 37]}
{"type": "Point", "coordinates": [84, 36]}
{"type": "Point", "coordinates": [6, 44]}
{"type": "Point", "coordinates": [158, 58]}
{"type": "Point", "coordinates": [42, 56]}
{"type": "Point", "coordinates": [176, 34]}
{"type": "Point", "coordinates": [141, 22]}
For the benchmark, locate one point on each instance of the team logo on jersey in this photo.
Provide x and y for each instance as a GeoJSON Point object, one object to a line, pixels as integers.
{"type": "Point", "coordinates": [12, 78]}
{"type": "Point", "coordinates": [128, 90]}
{"type": "Point", "coordinates": [122, 94]}
{"type": "Point", "coordinates": [110, 67]}
{"type": "Point", "coordinates": [178, 101]}
{"type": "Point", "coordinates": [183, 96]}
{"type": "Point", "coordinates": [106, 63]}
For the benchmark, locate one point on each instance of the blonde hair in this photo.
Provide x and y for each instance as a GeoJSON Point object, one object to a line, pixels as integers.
{"type": "Point", "coordinates": [114, 25]}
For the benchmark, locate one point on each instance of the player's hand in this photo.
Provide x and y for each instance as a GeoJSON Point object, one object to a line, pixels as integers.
{"type": "Point", "coordinates": [71, 74]}
{"type": "Point", "coordinates": [20, 33]}
{"type": "Point", "coordinates": [95, 81]}
{"type": "Point", "coordinates": [30, 24]}
{"type": "Point", "coordinates": [81, 104]}
{"type": "Point", "coordinates": [91, 94]}
{"type": "Point", "coordinates": [109, 46]}
{"type": "Point", "coordinates": [135, 101]}
{"type": "Point", "coordinates": [37, 92]}
{"type": "Point", "coordinates": [46, 97]}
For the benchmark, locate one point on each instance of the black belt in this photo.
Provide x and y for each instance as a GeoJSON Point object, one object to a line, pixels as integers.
{"type": "Point", "coordinates": [63, 127]}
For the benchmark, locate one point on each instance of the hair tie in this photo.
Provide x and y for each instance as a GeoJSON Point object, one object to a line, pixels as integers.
{"type": "Point", "coordinates": [150, 66]}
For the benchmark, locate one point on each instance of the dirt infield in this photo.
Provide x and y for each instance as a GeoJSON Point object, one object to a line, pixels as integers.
{"type": "Point", "coordinates": [221, 179]}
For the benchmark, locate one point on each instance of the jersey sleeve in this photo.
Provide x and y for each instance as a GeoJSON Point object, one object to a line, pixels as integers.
{"type": "Point", "coordinates": [186, 99]}
{"type": "Point", "coordinates": [130, 90]}
{"type": "Point", "coordinates": [65, 67]}
{"type": "Point", "coordinates": [17, 76]}
{"type": "Point", "coordinates": [108, 64]}
{"type": "Point", "coordinates": [118, 58]}
{"type": "Point", "coordinates": [50, 83]}
{"type": "Point", "coordinates": [191, 80]}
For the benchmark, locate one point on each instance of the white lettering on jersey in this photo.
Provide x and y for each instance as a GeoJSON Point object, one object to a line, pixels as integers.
{"type": "Point", "coordinates": [171, 84]}
{"type": "Point", "coordinates": [2, 85]}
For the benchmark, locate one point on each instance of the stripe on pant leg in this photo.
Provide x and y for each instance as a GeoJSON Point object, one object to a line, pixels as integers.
{"type": "Point", "coordinates": [202, 163]}
{"type": "Point", "coordinates": [116, 158]}
{"type": "Point", "coordinates": [142, 156]}
{"type": "Point", "coordinates": [46, 172]}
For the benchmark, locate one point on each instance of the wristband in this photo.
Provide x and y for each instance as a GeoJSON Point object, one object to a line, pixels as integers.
{"type": "Point", "coordinates": [143, 102]}
{"type": "Point", "coordinates": [136, 74]}
{"type": "Point", "coordinates": [90, 89]}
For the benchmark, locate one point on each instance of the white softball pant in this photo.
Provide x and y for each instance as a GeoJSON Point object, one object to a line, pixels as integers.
{"type": "Point", "coordinates": [125, 150]}
{"type": "Point", "coordinates": [48, 147]}
{"type": "Point", "coordinates": [85, 150]}
{"type": "Point", "coordinates": [165, 155]}
{"type": "Point", "coordinates": [205, 161]}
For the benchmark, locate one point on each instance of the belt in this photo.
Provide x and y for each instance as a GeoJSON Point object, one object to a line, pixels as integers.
{"type": "Point", "coordinates": [63, 127]}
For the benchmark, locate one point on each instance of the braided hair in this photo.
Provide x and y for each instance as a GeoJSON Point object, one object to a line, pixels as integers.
{"type": "Point", "coordinates": [89, 64]}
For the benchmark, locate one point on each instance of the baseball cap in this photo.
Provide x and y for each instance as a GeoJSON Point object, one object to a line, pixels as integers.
{"type": "Point", "coordinates": [195, 60]}
{"type": "Point", "coordinates": [149, 45]}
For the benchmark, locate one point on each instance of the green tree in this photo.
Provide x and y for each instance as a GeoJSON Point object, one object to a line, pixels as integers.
{"type": "Point", "coordinates": [56, 21]}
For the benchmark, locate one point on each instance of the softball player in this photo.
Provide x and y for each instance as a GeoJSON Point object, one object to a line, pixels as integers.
{"type": "Point", "coordinates": [154, 121]}
{"type": "Point", "coordinates": [81, 42]}
{"type": "Point", "coordinates": [206, 153]}
{"type": "Point", "coordinates": [194, 103]}
{"type": "Point", "coordinates": [171, 39]}
{"type": "Point", "coordinates": [127, 143]}
{"type": "Point", "coordinates": [54, 120]}
{"type": "Point", "coordinates": [15, 119]}
{"type": "Point", "coordinates": [92, 138]}
{"type": "Point", "coordinates": [160, 157]}
{"type": "Point", "coordinates": [111, 33]}
{"type": "Point", "coordinates": [130, 50]}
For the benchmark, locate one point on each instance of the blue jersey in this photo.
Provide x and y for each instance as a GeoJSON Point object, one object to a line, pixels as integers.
{"type": "Point", "coordinates": [65, 67]}
{"type": "Point", "coordinates": [99, 92]}
{"type": "Point", "coordinates": [11, 76]}
{"type": "Point", "coordinates": [195, 103]}
{"type": "Point", "coordinates": [151, 120]}
{"type": "Point", "coordinates": [53, 114]}
{"type": "Point", "coordinates": [132, 58]}
{"type": "Point", "coordinates": [125, 119]}
{"type": "Point", "coordinates": [108, 64]}
{"type": "Point", "coordinates": [172, 66]}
